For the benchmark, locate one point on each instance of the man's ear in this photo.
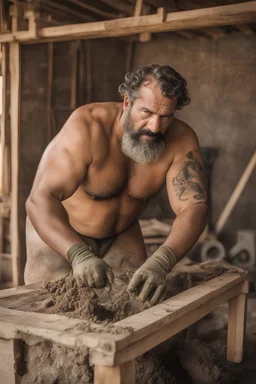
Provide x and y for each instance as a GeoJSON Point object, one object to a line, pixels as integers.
{"type": "Point", "coordinates": [126, 103]}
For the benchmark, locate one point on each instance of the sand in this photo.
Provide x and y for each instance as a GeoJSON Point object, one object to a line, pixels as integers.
{"type": "Point", "coordinates": [96, 305]}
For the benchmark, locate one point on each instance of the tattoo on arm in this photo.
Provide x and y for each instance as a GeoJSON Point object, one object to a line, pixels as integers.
{"type": "Point", "coordinates": [190, 181]}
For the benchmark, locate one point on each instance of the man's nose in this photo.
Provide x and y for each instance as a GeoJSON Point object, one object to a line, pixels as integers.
{"type": "Point", "coordinates": [154, 124]}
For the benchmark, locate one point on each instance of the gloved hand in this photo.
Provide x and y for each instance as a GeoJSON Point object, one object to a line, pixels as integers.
{"type": "Point", "coordinates": [88, 269]}
{"type": "Point", "coordinates": [149, 281]}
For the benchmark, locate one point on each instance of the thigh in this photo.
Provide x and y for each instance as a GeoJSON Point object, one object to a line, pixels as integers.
{"type": "Point", "coordinates": [42, 262]}
{"type": "Point", "coordinates": [127, 250]}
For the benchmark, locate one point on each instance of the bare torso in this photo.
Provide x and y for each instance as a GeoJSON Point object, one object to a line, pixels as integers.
{"type": "Point", "coordinates": [115, 190]}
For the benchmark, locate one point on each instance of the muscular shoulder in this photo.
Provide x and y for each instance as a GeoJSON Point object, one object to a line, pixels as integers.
{"type": "Point", "coordinates": [97, 117]}
{"type": "Point", "coordinates": [182, 138]}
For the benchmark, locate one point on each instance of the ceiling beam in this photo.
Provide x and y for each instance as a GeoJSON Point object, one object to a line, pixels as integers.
{"type": "Point", "coordinates": [210, 17]}
{"type": "Point", "coordinates": [245, 28]}
{"type": "Point", "coordinates": [93, 9]}
{"type": "Point", "coordinates": [121, 6]}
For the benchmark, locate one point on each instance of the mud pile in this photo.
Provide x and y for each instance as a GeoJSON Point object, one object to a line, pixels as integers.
{"type": "Point", "coordinates": [96, 305]}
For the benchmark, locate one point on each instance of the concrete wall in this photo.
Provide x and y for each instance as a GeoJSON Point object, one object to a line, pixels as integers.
{"type": "Point", "coordinates": [222, 83]}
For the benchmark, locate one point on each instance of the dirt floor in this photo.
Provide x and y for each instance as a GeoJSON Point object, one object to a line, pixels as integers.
{"type": "Point", "coordinates": [197, 355]}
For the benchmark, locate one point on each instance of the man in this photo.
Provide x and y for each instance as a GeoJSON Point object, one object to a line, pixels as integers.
{"type": "Point", "coordinates": [96, 178]}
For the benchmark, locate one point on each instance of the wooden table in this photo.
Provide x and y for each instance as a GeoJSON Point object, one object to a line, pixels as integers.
{"type": "Point", "coordinates": [113, 355]}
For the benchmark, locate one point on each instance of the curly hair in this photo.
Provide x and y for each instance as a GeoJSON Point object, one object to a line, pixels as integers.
{"type": "Point", "coordinates": [171, 83]}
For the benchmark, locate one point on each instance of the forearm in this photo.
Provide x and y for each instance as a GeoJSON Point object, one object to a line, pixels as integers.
{"type": "Point", "coordinates": [51, 222]}
{"type": "Point", "coordinates": [186, 229]}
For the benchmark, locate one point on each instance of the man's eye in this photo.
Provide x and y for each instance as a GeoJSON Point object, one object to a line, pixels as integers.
{"type": "Point", "coordinates": [145, 112]}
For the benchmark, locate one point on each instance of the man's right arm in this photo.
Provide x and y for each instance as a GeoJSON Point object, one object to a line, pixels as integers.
{"type": "Point", "coordinates": [60, 172]}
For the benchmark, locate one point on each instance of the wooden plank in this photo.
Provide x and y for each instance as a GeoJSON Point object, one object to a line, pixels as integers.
{"type": "Point", "coordinates": [172, 309]}
{"type": "Point", "coordinates": [9, 361]}
{"type": "Point", "coordinates": [15, 121]}
{"type": "Point", "coordinates": [236, 326]}
{"type": "Point", "coordinates": [57, 328]}
{"type": "Point", "coordinates": [20, 290]}
{"type": "Point", "coordinates": [120, 374]}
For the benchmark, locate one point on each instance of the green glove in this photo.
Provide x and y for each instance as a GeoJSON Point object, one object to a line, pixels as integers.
{"type": "Point", "coordinates": [149, 281]}
{"type": "Point", "coordinates": [88, 269]}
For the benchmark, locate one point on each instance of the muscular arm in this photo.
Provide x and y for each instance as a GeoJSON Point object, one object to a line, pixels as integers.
{"type": "Point", "coordinates": [60, 172]}
{"type": "Point", "coordinates": [186, 186]}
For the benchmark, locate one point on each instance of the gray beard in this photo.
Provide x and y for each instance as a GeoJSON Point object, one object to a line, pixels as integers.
{"type": "Point", "coordinates": [144, 151]}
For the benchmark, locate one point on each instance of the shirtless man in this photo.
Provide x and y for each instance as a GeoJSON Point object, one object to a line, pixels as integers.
{"type": "Point", "coordinates": [96, 178]}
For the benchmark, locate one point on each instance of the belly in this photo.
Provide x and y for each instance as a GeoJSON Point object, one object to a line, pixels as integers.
{"type": "Point", "coordinates": [102, 218]}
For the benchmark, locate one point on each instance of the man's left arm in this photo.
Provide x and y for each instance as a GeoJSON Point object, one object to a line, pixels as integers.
{"type": "Point", "coordinates": [186, 186]}
{"type": "Point", "coordinates": [187, 192]}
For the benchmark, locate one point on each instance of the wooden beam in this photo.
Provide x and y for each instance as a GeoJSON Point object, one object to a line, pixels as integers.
{"type": "Point", "coordinates": [245, 28]}
{"type": "Point", "coordinates": [209, 17]}
{"type": "Point", "coordinates": [200, 18]}
{"type": "Point", "coordinates": [144, 36]}
{"type": "Point", "coordinates": [138, 8]}
{"type": "Point", "coordinates": [66, 10]}
{"type": "Point", "coordinates": [15, 121]}
{"type": "Point", "coordinates": [81, 73]}
{"type": "Point", "coordinates": [91, 8]}
{"type": "Point", "coordinates": [215, 33]}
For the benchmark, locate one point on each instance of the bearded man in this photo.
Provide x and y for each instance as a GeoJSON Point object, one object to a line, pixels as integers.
{"type": "Point", "coordinates": [96, 177]}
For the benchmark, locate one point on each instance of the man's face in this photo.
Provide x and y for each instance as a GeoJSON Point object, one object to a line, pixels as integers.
{"type": "Point", "coordinates": [146, 122]}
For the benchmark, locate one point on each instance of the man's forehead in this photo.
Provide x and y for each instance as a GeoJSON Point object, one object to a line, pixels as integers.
{"type": "Point", "coordinates": [150, 92]}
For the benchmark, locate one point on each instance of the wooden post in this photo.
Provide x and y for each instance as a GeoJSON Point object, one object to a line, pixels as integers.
{"type": "Point", "coordinates": [15, 120]}
{"type": "Point", "coordinates": [81, 73]}
{"type": "Point", "coordinates": [9, 361]}
{"type": "Point", "coordinates": [74, 72]}
{"type": "Point", "coordinates": [236, 325]}
{"type": "Point", "coordinates": [119, 374]}
{"type": "Point", "coordinates": [49, 92]}
{"type": "Point", "coordinates": [88, 72]}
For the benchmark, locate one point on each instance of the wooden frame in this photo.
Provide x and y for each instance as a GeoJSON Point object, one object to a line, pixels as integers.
{"type": "Point", "coordinates": [114, 354]}
{"type": "Point", "coordinates": [233, 14]}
